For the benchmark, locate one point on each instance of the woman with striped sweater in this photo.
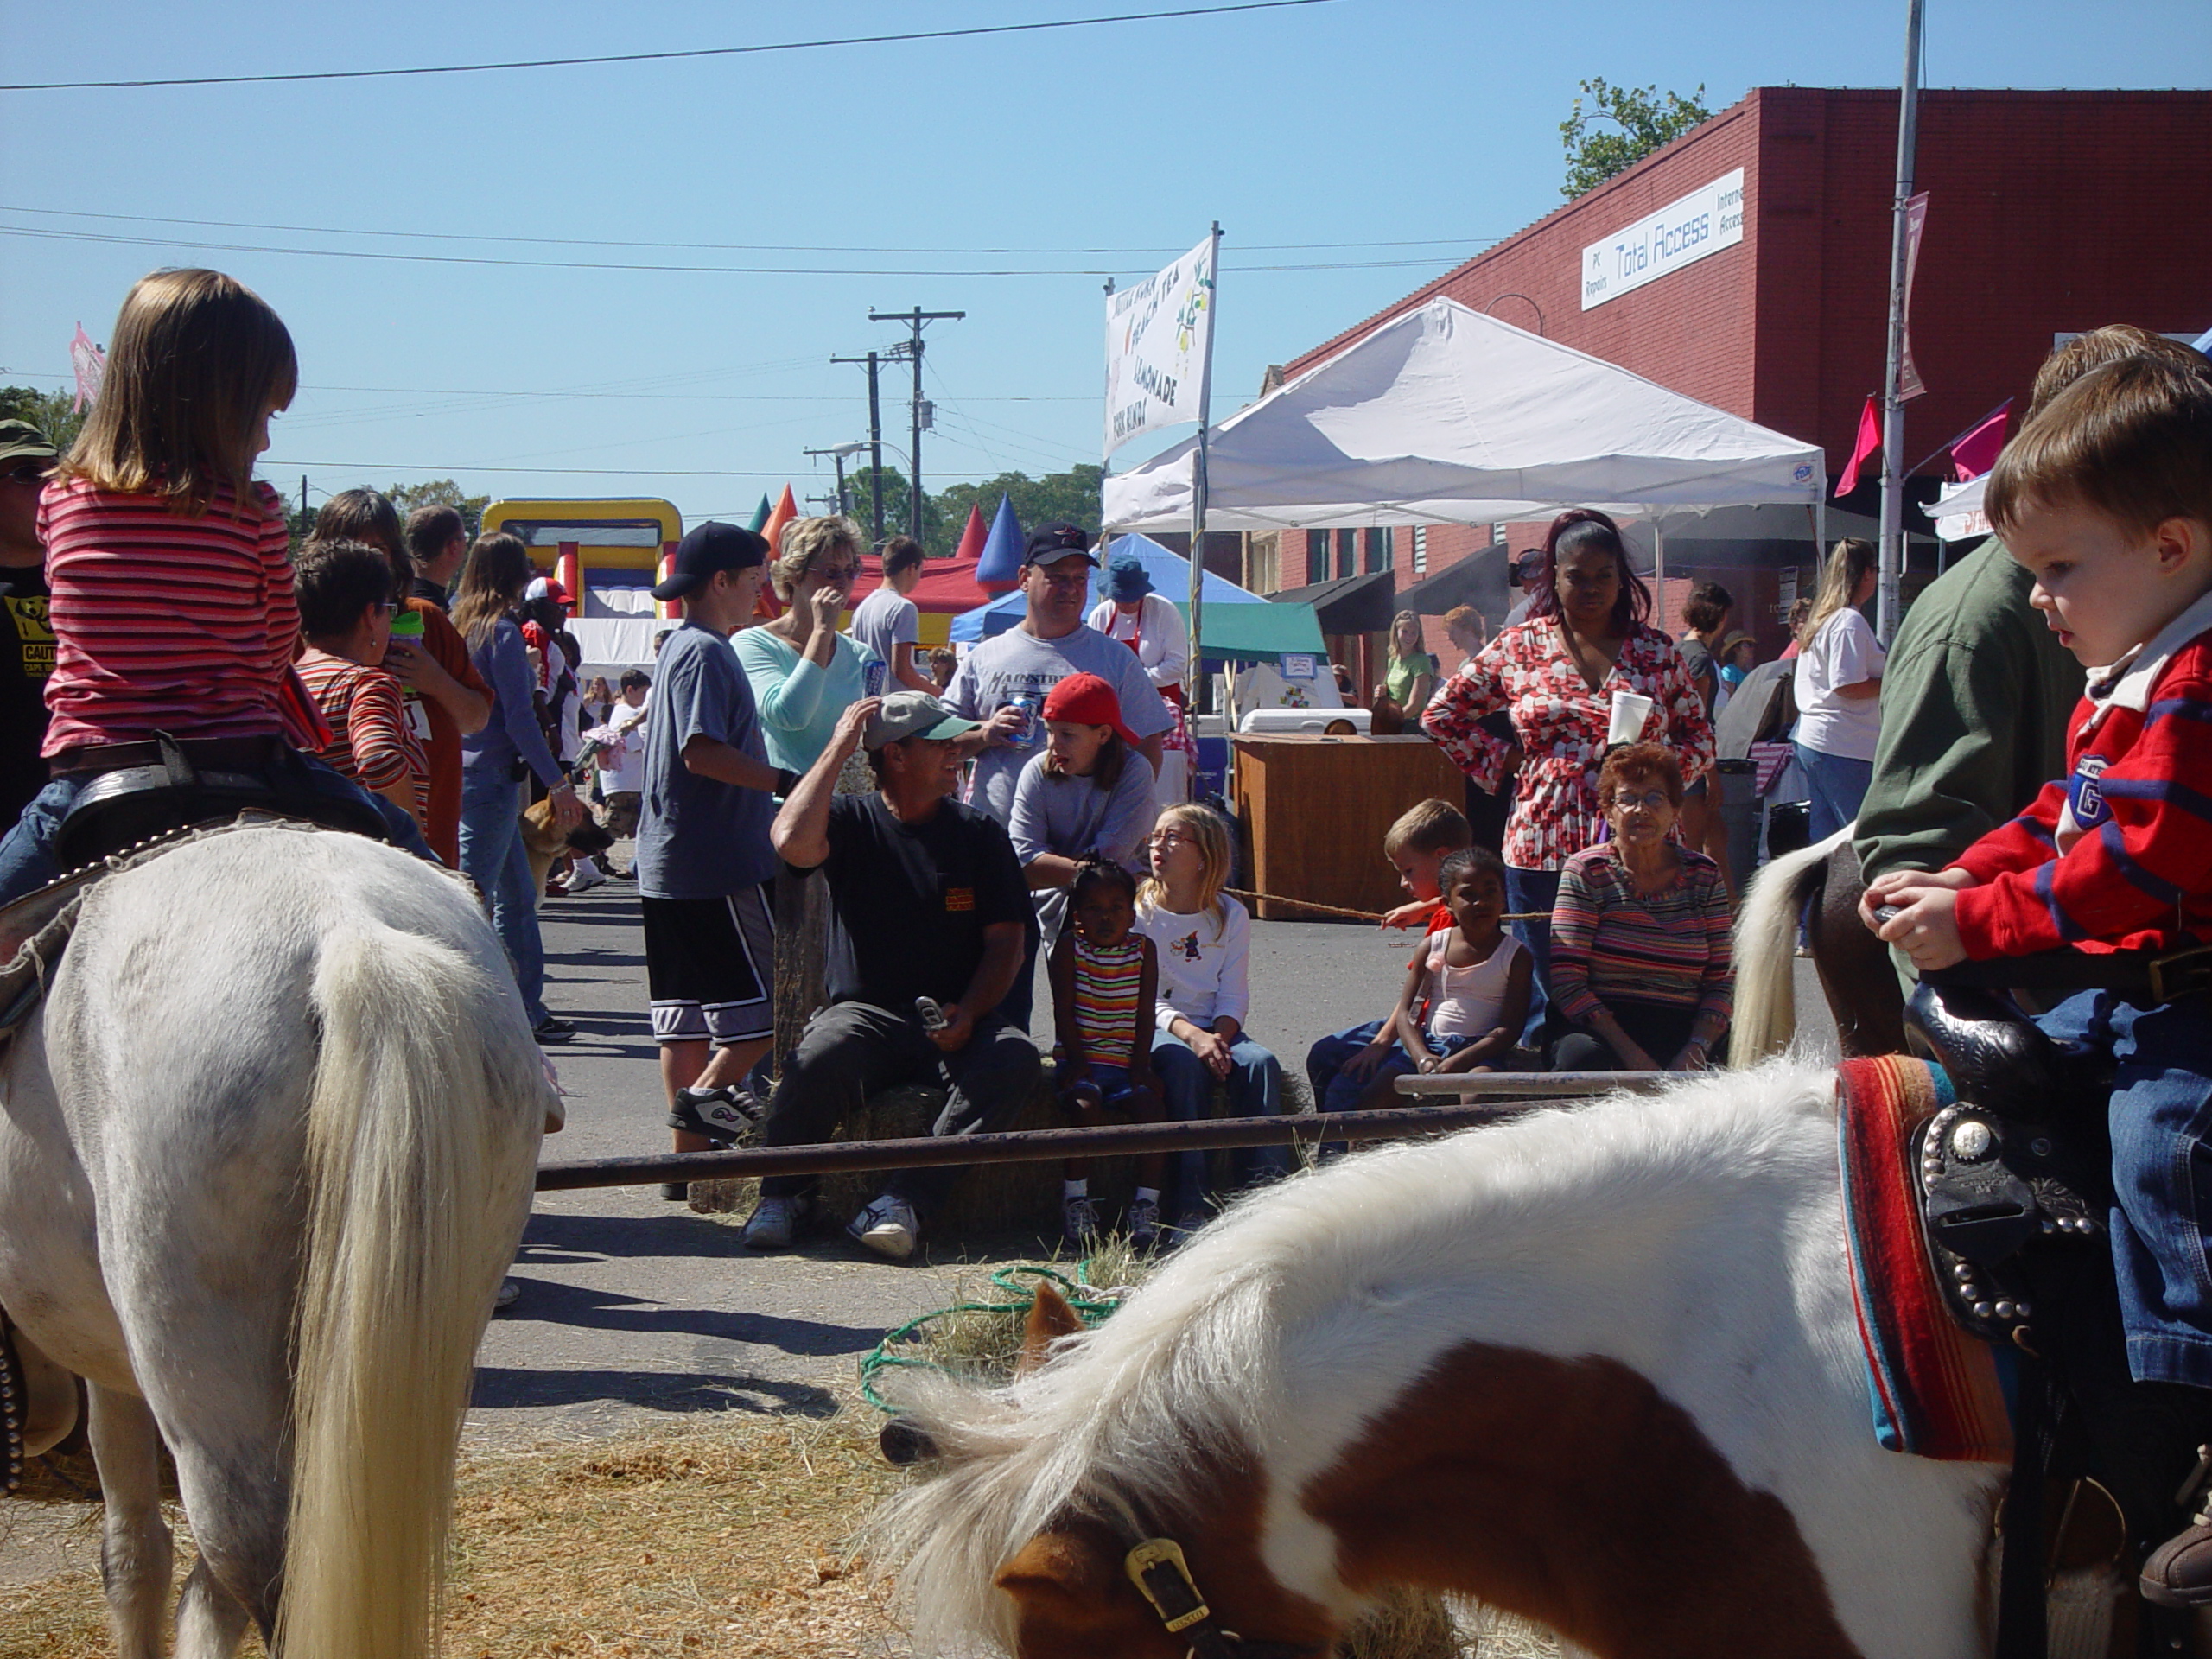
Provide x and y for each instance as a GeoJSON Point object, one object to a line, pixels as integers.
{"type": "Point", "coordinates": [1642, 976]}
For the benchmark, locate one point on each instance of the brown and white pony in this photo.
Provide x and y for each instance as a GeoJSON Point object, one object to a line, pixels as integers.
{"type": "Point", "coordinates": [1597, 1366]}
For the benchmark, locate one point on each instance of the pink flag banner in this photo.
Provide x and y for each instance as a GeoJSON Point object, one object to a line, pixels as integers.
{"type": "Point", "coordinates": [1915, 215]}
{"type": "Point", "coordinates": [1868, 445]}
{"type": "Point", "coordinates": [91, 365]}
{"type": "Point", "coordinates": [1976, 452]}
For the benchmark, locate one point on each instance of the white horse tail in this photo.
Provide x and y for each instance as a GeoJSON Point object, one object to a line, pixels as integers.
{"type": "Point", "coordinates": [1766, 947]}
{"type": "Point", "coordinates": [421, 1135]}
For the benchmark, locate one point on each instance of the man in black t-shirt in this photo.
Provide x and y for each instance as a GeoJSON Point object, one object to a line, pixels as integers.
{"type": "Point", "coordinates": [927, 901]}
{"type": "Point", "coordinates": [26, 640]}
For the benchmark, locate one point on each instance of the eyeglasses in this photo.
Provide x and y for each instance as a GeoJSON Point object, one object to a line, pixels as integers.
{"type": "Point", "coordinates": [838, 572]}
{"type": "Point", "coordinates": [28, 472]}
{"type": "Point", "coordinates": [1168, 838]}
{"type": "Point", "coordinates": [1651, 799]}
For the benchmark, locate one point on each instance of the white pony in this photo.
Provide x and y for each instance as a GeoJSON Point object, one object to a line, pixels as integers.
{"type": "Point", "coordinates": [263, 1154]}
{"type": "Point", "coordinates": [1597, 1366]}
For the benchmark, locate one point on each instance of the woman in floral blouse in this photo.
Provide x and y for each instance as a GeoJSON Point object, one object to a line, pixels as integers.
{"type": "Point", "coordinates": [1585, 637]}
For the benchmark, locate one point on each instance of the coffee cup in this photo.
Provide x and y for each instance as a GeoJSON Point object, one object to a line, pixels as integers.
{"type": "Point", "coordinates": [1631, 710]}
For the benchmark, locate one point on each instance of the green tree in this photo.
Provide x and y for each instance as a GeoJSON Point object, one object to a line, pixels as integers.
{"type": "Point", "coordinates": [1646, 119]}
{"type": "Point", "coordinates": [1072, 497]}
{"type": "Point", "coordinates": [48, 411]}
{"type": "Point", "coordinates": [441, 492]}
{"type": "Point", "coordinates": [859, 485]}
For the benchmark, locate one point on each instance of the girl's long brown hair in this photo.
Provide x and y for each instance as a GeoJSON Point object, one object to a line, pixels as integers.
{"type": "Point", "coordinates": [498, 569]}
{"type": "Point", "coordinates": [197, 359]}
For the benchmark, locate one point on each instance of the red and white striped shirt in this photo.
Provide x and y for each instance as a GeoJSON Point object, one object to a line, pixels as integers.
{"type": "Point", "coordinates": [371, 741]}
{"type": "Point", "coordinates": [165, 622]}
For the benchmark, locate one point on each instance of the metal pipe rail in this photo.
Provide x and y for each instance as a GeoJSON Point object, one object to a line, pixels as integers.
{"type": "Point", "coordinates": [1505, 1094]}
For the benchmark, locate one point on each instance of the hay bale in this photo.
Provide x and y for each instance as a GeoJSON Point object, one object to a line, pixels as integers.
{"type": "Point", "coordinates": [1408, 1624]}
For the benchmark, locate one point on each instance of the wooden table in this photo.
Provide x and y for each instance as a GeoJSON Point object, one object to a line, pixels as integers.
{"type": "Point", "coordinates": [1313, 812]}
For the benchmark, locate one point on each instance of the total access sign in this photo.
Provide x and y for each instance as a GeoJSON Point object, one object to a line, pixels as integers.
{"type": "Point", "coordinates": [1682, 233]}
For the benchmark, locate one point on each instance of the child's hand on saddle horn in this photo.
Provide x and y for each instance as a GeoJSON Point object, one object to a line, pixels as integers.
{"type": "Point", "coordinates": [1900, 887]}
{"type": "Point", "coordinates": [1926, 928]}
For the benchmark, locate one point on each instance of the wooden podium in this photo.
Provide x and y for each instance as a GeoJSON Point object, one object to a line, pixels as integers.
{"type": "Point", "coordinates": [1314, 809]}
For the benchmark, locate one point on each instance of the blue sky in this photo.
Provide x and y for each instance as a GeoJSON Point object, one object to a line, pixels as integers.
{"type": "Point", "coordinates": [1340, 141]}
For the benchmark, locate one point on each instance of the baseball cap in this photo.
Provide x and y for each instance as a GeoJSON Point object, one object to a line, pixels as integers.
{"type": "Point", "coordinates": [546, 587]}
{"type": "Point", "coordinates": [707, 548]}
{"type": "Point", "coordinates": [1086, 700]}
{"type": "Point", "coordinates": [1528, 563]}
{"type": "Point", "coordinates": [21, 441]}
{"type": "Point", "coordinates": [1049, 543]}
{"type": "Point", "coordinates": [911, 713]}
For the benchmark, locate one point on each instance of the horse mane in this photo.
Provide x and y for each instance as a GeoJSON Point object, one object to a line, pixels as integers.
{"type": "Point", "coordinates": [1367, 1268]}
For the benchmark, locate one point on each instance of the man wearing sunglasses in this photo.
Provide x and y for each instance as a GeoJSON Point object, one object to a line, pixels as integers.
{"type": "Point", "coordinates": [26, 641]}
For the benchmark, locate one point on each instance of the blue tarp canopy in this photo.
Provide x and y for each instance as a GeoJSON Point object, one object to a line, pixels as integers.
{"type": "Point", "coordinates": [1239, 625]}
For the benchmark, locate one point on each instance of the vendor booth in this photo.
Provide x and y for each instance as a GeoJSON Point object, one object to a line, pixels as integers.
{"type": "Point", "coordinates": [1443, 415]}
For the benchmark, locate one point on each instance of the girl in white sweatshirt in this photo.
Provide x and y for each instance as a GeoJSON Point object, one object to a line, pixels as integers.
{"type": "Point", "coordinates": [1203, 936]}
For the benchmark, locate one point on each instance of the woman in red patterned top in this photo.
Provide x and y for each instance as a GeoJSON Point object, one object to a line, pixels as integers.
{"type": "Point", "coordinates": [1585, 638]}
{"type": "Point", "coordinates": [172, 585]}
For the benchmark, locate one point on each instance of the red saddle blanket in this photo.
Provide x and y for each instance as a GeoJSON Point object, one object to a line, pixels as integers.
{"type": "Point", "coordinates": [1936, 1391]}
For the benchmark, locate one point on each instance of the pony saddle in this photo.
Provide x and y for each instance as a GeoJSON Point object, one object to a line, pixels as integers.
{"type": "Point", "coordinates": [130, 805]}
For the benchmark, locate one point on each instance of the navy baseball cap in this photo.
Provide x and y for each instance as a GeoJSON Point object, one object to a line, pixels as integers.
{"type": "Point", "coordinates": [706, 548]}
{"type": "Point", "coordinates": [1049, 543]}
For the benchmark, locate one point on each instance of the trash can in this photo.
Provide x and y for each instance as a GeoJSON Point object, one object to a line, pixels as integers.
{"type": "Point", "coordinates": [1735, 782]}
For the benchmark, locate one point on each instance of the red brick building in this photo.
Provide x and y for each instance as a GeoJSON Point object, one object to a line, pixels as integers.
{"type": "Point", "coordinates": [2048, 213]}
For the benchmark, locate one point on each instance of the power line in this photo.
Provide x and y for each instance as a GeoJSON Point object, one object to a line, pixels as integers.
{"type": "Point", "coordinates": [724, 247]}
{"type": "Point", "coordinates": [454, 469]}
{"type": "Point", "coordinates": [45, 234]}
{"type": "Point", "coordinates": [662, 57]}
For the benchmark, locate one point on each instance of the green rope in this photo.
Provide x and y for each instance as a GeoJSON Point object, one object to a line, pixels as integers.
{"type": "Point", "coordinates": [1079, 1292]}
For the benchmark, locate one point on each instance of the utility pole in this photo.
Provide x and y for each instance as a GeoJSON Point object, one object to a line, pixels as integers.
{"type": "Point", "coordinates": [837, 453]}
{"type": "Point", "coordinates": [912, 351]}
{"type": "Point", "coordinates": [874, 444]}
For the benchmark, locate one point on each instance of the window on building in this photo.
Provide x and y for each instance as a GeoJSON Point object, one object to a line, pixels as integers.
{"type": "Point", "coordinates": [1497, 535]}
{"type": "Point", "coordinates": [1420, 549]}
{"type": "Point", "coordinates": [1377, 550]}
{"type": "Point", "coordinates": [1347, 552]}
{"type": "Point", "coordinates": [1316, 556]}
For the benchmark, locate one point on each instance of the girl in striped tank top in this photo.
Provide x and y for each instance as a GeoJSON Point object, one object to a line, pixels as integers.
{"type": "Point", "coordinates": [1105, 977]}
{"type": "Point", "coordinates": [171, 572]}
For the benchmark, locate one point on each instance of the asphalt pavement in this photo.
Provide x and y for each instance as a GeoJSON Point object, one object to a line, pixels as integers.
{"type": "Point", "coordinates": [634, 1307]}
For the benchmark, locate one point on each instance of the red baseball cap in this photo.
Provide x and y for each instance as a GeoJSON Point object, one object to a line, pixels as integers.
{"type": "Point", "coordinates": [546, 587]}
{"type": "Point", "coordinates": [1086, 700]}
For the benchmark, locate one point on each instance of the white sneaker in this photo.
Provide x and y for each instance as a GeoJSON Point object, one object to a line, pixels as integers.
{"type": "Point", "coordinates": [888, 1227]}
{"type": "Point", "coordinates": [772, 1223]}
{"type": "Point", "coordinates": [1078, 1222]}
{"type": "Point", "coordinates": [583, 879]}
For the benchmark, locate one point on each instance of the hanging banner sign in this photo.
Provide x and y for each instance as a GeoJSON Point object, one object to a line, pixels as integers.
{"type": "Point", "coordinates": [1915, 217]}
{"type": "Point", "coordinates": [1681, 234]}
{"type": "Point", "coordinates": [1156, 348]}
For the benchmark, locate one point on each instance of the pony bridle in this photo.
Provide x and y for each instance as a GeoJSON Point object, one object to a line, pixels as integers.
{"type": "Point", "coordinates": [1156, 1567]}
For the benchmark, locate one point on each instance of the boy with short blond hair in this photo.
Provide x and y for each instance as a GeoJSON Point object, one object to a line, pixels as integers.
{"type": "Point", "coordinates": [1424, 835]}
{"type": "Point", "coordinates": [2106, 498]}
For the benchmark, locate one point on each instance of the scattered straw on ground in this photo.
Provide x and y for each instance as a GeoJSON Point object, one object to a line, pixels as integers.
{"type": "Point", "coordinates": [725, 1535]}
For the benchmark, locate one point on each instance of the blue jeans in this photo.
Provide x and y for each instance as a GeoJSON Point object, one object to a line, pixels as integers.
{"type": "Point", "coordinates": [1533, 891]}
{"type": "Point", "coordinates": [2161, 1126]}
{"type": "Point", "coordinates": [493, 857]}
{"type": "Point", "coordinates": [1255, 1085]}
{"type": "Point", "coordinates": [1344, 1092]}
{"type": "Point", "coordinates": [27, 862]}
{"type": "Point", "coordinates": [1327, 1056]}
{"type": "Point", "coordinates": [1837, 784]}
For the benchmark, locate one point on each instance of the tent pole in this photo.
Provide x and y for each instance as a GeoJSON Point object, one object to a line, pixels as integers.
{"type": "Point", "coordinates": [1659, 568]}
{"type": "Point", "coordinates": [1193, 671]}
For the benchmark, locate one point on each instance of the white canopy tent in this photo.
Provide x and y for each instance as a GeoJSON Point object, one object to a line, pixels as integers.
{"type": "Point", "coordinates": [1446, 415]}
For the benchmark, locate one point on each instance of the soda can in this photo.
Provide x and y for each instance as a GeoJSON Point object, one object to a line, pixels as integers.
{"type": "Point", "coordinates": [874, 677]}
{"type": "Point", "coordinates": [1028, 702]}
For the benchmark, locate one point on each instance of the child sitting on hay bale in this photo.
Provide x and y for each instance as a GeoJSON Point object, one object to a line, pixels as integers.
{"type": "Point", "coordinates": [1105, 977]}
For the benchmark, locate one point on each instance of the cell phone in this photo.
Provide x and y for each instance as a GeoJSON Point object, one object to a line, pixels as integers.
{"type": "Point", "coordinates": [932, 1016]}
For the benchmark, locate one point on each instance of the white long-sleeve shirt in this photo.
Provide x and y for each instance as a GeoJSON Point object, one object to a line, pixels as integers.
{"type": "Point", "coordinates": [1205, 970]}
{"type": "Point", "coordinates": [1162, 641]}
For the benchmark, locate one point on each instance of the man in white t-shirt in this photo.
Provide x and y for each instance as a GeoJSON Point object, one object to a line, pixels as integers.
{"type": "Point", "coordinates": [622, 762]}
{"type": "Point", "coordinates": [889, 623]}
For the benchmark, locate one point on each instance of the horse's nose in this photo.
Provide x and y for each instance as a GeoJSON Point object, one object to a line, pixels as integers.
{"type": "Point", "coordinates": [905, 1443]}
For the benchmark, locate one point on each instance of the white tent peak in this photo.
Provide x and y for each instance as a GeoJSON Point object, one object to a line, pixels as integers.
{"type": "Point", "coordinates": [1444, 414]}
